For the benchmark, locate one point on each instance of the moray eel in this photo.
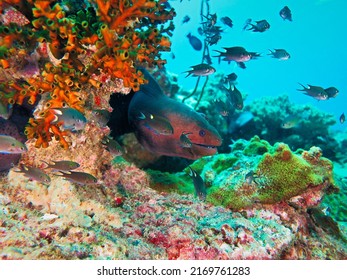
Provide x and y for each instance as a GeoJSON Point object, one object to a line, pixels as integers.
{"type": "Point", "coordinates": [185, 121]}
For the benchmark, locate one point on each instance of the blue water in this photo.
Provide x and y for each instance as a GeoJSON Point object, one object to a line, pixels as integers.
{"type": "Point", "coordinates": [316, 40]}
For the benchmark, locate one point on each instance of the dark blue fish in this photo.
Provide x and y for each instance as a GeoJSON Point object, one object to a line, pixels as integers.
{"type": "Point", "coordinates": [214, 39]}
{"type": "Point", "coordinates": [231, 79]}
{"type": "Point", "coordinates": [227, 21]}
{"type": "Point", "coordinates": [199, 184]}
{"type": "Point", "coordinates": [195, 42]}
{"type": "Point", "coordinates": [185, 19]}
{"type": "Point", "coordinates": [332, 92]}
{"type": "Point", "coordinates": [259, 26]}
{"type": "Point", "coordinates": [342, 118]}
{"type": "Point", "coordinates": [235, 97]}
{"type": "Point", "coordinates": [286, 13]}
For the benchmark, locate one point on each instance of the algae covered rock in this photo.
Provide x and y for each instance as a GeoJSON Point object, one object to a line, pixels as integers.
{"type": "Point", "coordinates": [275, 176]}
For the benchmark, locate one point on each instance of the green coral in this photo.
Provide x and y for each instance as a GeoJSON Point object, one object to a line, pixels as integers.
{"type": "Point", "coordinates": [280, 175]}
{"type": "Point", "coordinates": [256, 146]}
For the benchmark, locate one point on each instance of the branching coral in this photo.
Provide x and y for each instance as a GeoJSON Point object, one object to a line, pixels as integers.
{"type": "Point", "coordinates": [71, 49]}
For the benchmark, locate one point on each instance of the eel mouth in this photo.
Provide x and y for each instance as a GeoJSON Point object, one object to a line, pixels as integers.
{"type": "Point", "coordinates": [205, 146]}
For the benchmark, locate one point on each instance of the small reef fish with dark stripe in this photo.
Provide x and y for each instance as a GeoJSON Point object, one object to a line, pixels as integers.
{"type": "Point", "coordinates": [10, 145]}
{"type": "Point", "coordinates": [62, 165]}
{"type": "Point", "coordinates": [199, 184]}
{"type": "Point", "coordinates": [81, 178]}
{"type": "Point", "coordinates": [34, 173]}
{"type": "Point", "coordinates": [204, 138]}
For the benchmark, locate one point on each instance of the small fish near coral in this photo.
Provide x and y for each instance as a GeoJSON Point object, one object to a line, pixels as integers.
{"type": "Point", "coordinates": [33, 173]}
{"type": "Point", "coordinates": [70, 118]}
{"type": "Point", "coordinates": [81, 178]}
{"type": "Point", "coordinates": [62, 165]}
{"type": "Point", "coordinates": [199, 184]}
{"type": "Point", "coordinates": [112, 146]}
{"type": "Point", "coordinates": [10, 145]}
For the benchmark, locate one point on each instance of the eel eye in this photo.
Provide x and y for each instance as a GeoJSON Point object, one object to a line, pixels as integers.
{"type": "Point", "coordinates": [202, 133]}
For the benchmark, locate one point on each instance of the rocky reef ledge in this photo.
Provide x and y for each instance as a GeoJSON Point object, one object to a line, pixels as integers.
{"type": "Point", "coordinates": [263, 202]}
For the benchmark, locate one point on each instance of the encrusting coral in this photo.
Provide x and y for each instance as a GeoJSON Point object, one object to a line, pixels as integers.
{"type": "Point", "coordinates": [71, 54]}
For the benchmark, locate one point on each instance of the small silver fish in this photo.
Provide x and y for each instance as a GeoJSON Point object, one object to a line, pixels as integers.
{"type": "Point", "coordinates": [290, 122]}
{"type": "Point", "coordinates": [63, 165]}
{"type": "Point", "coordinates": [10, 145]}
{"type": "Point", "coordinates": [72, 119]}
{"type": "Point", "coordinates": [81, 178]}
{"type": "Point", "coordinates": [199, 184]}
{"type": "Point", "coordinates": [280, 54]}
{"type": "Point", "coordinates": [34, 173]}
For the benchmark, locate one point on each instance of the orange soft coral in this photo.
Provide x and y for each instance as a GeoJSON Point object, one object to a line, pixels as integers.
{"type": "Point", "coordinates": [111, 39]}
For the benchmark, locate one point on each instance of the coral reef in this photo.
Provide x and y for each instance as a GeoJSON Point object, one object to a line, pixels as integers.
{"type": "Point", "coordinates": [132, 214]}
{"type": "Point", "coordinates": [64, 57]}
{"type": "Point", "coordinates": [312, 128]}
